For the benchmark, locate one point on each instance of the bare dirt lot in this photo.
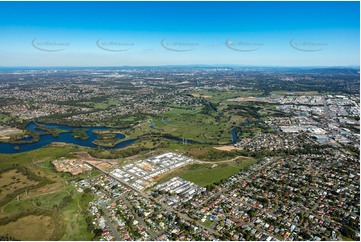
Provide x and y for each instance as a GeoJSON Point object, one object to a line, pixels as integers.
{"type": "Point", "coordinates": [225, 148]}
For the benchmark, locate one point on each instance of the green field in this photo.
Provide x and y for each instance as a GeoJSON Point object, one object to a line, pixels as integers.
{"type": "Point", "coordinates": [204, 174]}
{"type": "Point", "coordinates": [208, 223]}
{"type": "Point", "coordinates": [13, 180]}
{"type": "Point", "coordinates": [101, 105]}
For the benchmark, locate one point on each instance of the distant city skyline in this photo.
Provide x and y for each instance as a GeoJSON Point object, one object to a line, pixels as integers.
{"type": "Point", "coordinates": [179, 33]}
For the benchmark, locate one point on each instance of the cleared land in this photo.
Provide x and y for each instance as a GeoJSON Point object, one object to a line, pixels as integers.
{"type": "Point", "coordinates": [225, 148]}
{"type": "Point", "coordinates": [8, 132]}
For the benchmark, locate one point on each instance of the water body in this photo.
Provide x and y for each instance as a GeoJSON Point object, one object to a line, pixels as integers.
{"type": "Point", "coordinates": [66, 137]}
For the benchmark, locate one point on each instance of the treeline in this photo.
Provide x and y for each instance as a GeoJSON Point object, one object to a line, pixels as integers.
{"type": "Point", "coordinates": [117, 153]}
{"type": "Point", "coordinates": [7, 238]}
{"type": "Point", "coordinates": [215, 155]}
{"type": "Point", "coordinates": [305, 149]}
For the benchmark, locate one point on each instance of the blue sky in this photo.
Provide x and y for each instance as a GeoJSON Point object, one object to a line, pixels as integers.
{"type": "Point", "coordinates": [171, 33]}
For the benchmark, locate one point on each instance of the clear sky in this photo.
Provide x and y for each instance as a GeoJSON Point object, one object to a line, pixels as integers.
{"type": "Point", "coordinates": [179, 33]}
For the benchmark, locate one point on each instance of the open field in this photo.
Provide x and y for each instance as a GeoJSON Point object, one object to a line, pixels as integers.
{"type": "Point", "coordinates": [35, 201]}
{"type": "Point", "coordinates": [12, 180]}
{"type": "Point", "coordinates": [206, 174]}
{"type": "Point", "coordinates": [100, 105]}
{"type": "Point", "coordinates": [208, 223]}
{"type": "Point", "coordinates": [29, 228]}
{"type": "Point", "coordinates": [7, 132]}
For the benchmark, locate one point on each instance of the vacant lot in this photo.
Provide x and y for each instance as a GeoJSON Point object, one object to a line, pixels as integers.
{"type": "Point", "coordinates": [225, 148]}
{"type": "Point", "coordinates": [29, 228]}
{"type": "Point", "coordinates": [13, 180]}
{"type": "Point", "coordinates": [206, 174]}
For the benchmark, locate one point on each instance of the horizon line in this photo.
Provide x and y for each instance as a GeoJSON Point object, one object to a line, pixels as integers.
{"type": "Point", "coordinates": [189, 65]}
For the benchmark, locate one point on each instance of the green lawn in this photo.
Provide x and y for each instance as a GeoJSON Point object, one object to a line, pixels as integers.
{"type": "Point", "coordinates": [208, 223]}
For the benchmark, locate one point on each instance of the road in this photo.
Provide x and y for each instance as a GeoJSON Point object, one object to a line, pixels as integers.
{"type": "Point", "coordinates": [109, 222]}
{"type": "Point", "coordinates": [141, 221]}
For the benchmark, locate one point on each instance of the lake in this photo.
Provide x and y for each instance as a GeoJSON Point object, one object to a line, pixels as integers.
{"type": "Point", "coordinates": [66, 137]}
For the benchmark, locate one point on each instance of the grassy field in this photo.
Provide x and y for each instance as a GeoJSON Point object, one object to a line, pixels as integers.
{"type": "Point", "coordinates": [46, 201]}
{"type": "Point", "coordinates": [206, 174]}
{"type": "Point", "coordinates": [100, 105]}
{"type": "Point", "coordinates": [208, 223]}
{"type": "Point", "coordinates": [12, 180]}
{"type": "Point", "coordinates": [76, 226]}
{"type": "Point", "coordinates": [29, 228]}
